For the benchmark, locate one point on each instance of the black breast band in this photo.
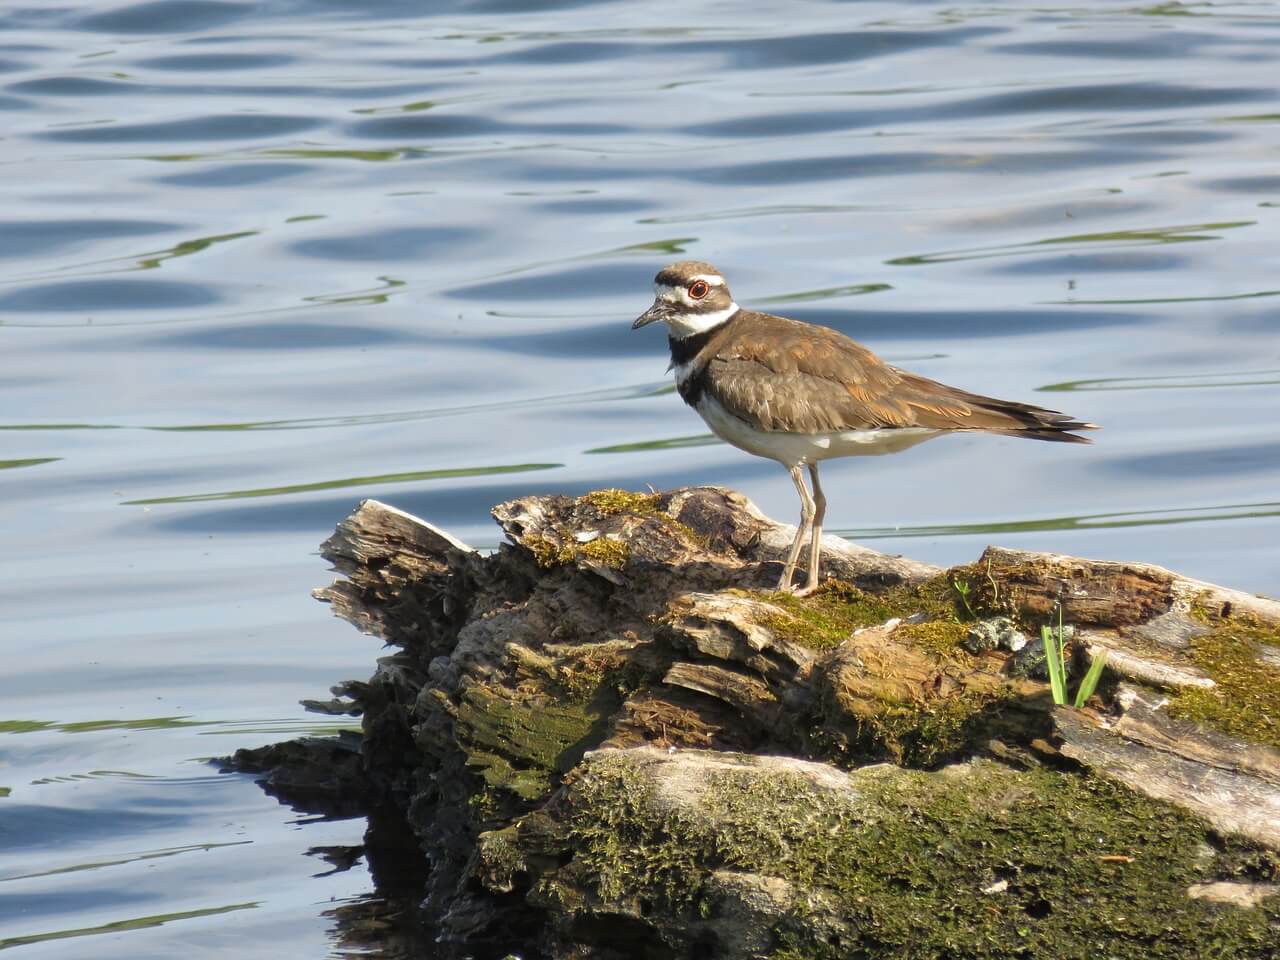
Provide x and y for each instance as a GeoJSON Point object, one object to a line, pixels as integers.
{"type": "Point", "coordinates": [692, 387]}
{"type": "Point", "coordinates": [686, 348]}
{"type": "Point", "coordinates": [684, 351]}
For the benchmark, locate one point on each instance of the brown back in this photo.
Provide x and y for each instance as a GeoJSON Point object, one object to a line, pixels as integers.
{"type": "Point", "coordinates": [787, 376]}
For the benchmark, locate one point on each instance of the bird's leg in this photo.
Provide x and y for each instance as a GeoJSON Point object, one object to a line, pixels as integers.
{"type": "Point", "coordinates": [815, 544]}
{"type": "Point", "coordinates": [806, 522]}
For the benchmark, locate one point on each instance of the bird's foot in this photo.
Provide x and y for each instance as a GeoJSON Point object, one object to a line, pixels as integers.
{"type": "Point", "coordinates": [785, 586]}
{"type": "Point", "coordinates": [811, 586]}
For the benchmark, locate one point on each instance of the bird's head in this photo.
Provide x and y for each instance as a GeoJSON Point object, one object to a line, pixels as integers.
{"type": "Point", "coordinates": [691, 297]}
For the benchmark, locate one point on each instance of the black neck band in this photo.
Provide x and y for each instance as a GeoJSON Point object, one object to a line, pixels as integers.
{"type": "Point", "coordinates": [685, 349]}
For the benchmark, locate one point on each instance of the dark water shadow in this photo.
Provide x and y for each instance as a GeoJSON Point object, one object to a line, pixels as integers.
{"type": "Point", "coordinates": [20, 239]}
{"type": "Point", "coordinates": [233, 126]}
{"type": "Point", "coordinates": [1236, 460]}
{"type": "Point", "coordinates": [217, 61]}
{"type": "Point", "coordinates": [382, 244]}
{"type": "Point", "coordinates": [236, 175]}
{"type": "Point", "coordinates": [267, 336]}
{"type": "Point", "coordinates": [35, 826]}
{"type": "Point", "coordinates": [92, 296]}
{"type": "Point", "coordinates": [164, 16]}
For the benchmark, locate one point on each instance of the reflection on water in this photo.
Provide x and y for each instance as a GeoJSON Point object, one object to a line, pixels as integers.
{"type": "Point", "coordinates": [446, 473]}
{"type": "Point", "coordinates": [318, 423]}
{"type": "Point", "coordinates": [149, 855]}
{"type": "Point", "coordinates": [121, 926]}
{"type": "Point", "coordinates": [670, 443]}
{"type": "Point", "coordinates": [258, 262]}
{"type": "Point", "coordinates": [1254, 378]}
{"type": "Point", "coordinates": [1192, 233]}
{"type": "Point", "coordinates": [1133, 518]}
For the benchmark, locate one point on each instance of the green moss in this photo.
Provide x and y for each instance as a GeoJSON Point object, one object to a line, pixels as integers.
{"type": "Point", "coordinates": [606, 550]}
{"type": "Point", "coordinates": [548, 553]}
{"type": "Point", "coordinates": [613, 501]}
{"type": "Point", "coordinates": [520, 747]}
{"type": "Point", "coordinates": [589, 670]}
{"type": "Point", "coordinates": [627, 846]}
{"type": "Point", "coordinates": [825, 618]}
{"type": "Point", "coordinates": [609, 549]}
{"type": "Point", "coordinates": [917, 730]}
{"type": "Point", "coordinates": [939, 637]}
{"type": "Point", "coordinates": [924, 735]}
{"type": "Point", "coordinates": [499, 858]}
{"type": "Point", "coordinates": [1246, 699]}
{"type": "Point", "coordinates": [936, 598]}
{"type": "Point", "coordinates": [1092, 870]}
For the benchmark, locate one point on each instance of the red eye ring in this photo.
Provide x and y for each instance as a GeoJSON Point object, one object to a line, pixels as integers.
{"type": "Point", "coordinates": [699, 289]}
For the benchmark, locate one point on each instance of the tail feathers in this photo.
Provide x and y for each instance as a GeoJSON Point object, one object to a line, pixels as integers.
{"type": "Point", "coordinates": [1037, 423]}
{"type": "Point", "coordinates": [1059, 434]}
{"type": "Point", "coordinates": [949, 408]}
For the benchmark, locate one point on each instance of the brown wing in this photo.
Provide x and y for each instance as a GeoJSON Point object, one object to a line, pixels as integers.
{"type": "Point", "coordinates": [798, 378]}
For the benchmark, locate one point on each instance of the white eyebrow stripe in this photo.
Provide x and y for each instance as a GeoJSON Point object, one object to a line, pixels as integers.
{"type": "Point", "coordinates": [668, 292]}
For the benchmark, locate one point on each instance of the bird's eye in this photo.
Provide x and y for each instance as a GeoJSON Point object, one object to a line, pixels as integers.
{"type": "Point", "coordinates": [698, 289]}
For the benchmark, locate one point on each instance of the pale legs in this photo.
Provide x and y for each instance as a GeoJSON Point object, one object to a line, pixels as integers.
{"type": "Point", "coordinates": [815, 545]}
{"type": "Point", "coordinates": [812, 511]}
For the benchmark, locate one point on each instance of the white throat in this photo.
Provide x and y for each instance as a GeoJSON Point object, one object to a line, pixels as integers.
{"type": "Point", "coordinates": [691, 324]}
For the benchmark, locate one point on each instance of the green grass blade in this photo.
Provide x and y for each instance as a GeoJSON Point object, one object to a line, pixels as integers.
{"type": "Point", "coordinates": [1053, 661]}
{"type": "Point", "coordinates": [1090, 681]}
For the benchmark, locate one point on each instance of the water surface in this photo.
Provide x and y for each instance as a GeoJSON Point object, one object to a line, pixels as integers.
{"type": "Point", "coordinates": [259, 261]}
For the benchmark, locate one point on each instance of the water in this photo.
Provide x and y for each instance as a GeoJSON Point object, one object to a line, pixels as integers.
{"type": "Point", "coordinates": [259, 261]}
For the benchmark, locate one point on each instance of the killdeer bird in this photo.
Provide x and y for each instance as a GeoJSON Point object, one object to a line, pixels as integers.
{"type": "Point", "coordinates": [800, 394]}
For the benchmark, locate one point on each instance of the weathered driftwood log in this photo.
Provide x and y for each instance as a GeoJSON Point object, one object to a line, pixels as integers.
{"type": "Point", "coordinates": [610, 739]}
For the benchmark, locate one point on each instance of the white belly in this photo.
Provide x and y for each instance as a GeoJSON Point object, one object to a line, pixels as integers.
{"type": "Point", "coordinates": [795, 448]}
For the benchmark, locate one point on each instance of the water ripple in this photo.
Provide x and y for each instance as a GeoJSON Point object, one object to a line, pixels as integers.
{"type": "Point", "coordinates": [235, 126]}
{"type": "Point", "coordinates": [1175, 516]}
{"type": "Point", "coordinates": [380, 244]}
{"type": "Point", "coordinates": [123, 925]}
{"type": "Point", "coordinates": [608, 395]}
{"type": "Point", "coordinates": [447, 473]}
{"type": "Point", "coordinates": [27, 238]}
{"type": "Point", "coordinates": [231, 227]}
{"type": "Point", "coordinates": [202, 62]}
{"type": "Point", "coordinates": [164, 16]}
{"type": "Point", "coordinates": [1187, 233]}
{"type": "Point", "coordinates": [92, 296]}
{"type": "Point", "coordinates": [1188, 381]}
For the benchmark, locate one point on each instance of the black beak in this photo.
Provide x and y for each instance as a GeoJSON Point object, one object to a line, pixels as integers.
{"type": "Point", "coordinates": [655, 313]}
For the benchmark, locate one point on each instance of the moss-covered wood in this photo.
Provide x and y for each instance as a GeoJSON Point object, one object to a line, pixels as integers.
{"type": "Point", "coordinates": [611, 738]}
{"type": "Point", "coordinates": [982, 862]}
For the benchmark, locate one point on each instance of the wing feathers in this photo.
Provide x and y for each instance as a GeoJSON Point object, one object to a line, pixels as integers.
{"type": "Point", "coordinates": [796, 378]}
